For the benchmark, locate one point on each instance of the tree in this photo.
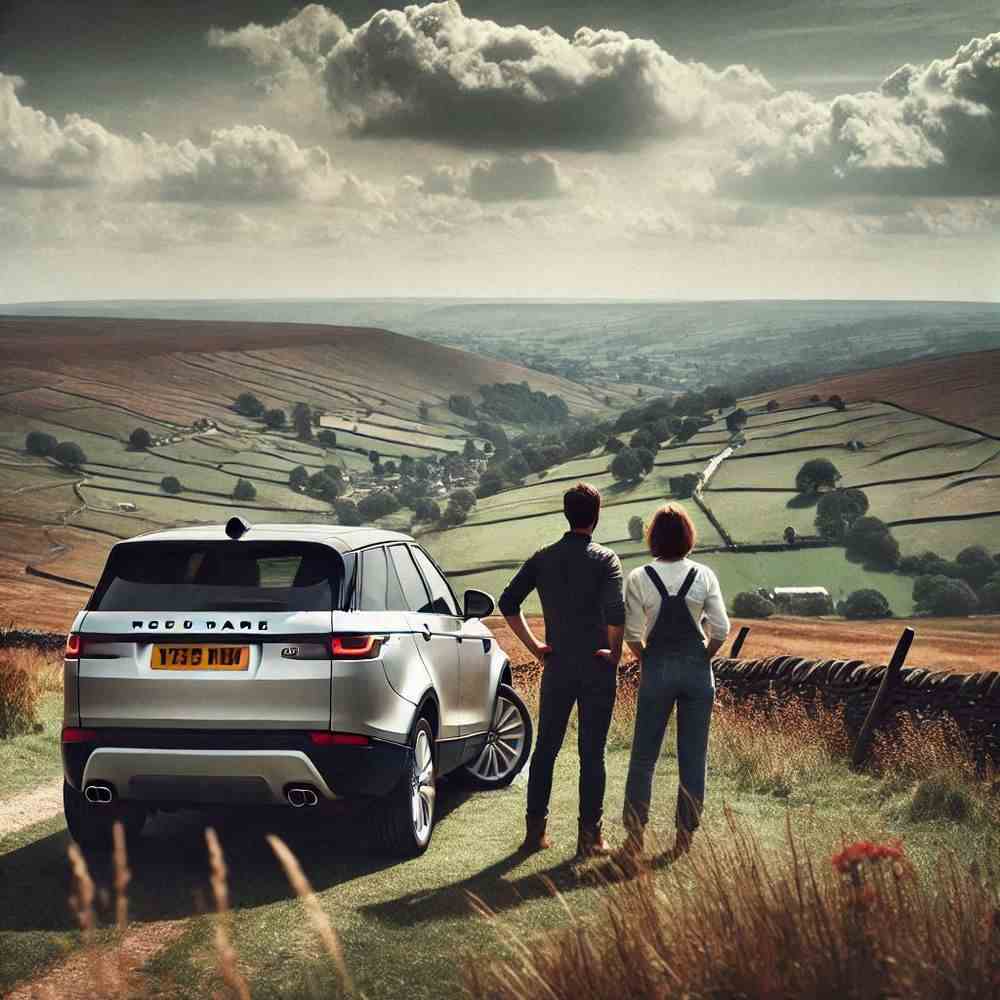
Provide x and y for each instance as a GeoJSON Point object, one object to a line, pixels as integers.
{"type": "Point", "coordinates": [490, 483]}
{"type": "Point", "coordinates": [975, 565]}
{"type": "Point", "coordinates": [791, 536]}
{"type": "Point", "coordinates": [865, 604]}
{"type": "Point", "coordinates": [389, 468]}
{"type": "Point", "coordinates": [427, 510]}
{"type": "Point", "coordinates": [815, 475]}
{"type": "Point", "coordinates": [465, 499]}
{"type": "Point", "coordinates": [69, 454]}
{"type": "Point", "coordinates": [244, 490]}
{"type": "Point", "coordinates": [644, 438]}
{"type": "Point", "coordinates": [989, 596]}
{"type": "Point", "coordinates": [773, 406]}
{"type": "Point", "coordinates": [688, 428]}
{"type": "Point", "coordinates": [837, 511]}
{"type": "Point", "coordinates": [327, 438]}
{"type": "Point", "coordinates": [171, 484]}
{"type": "Point", "coordinates": [944, 597]}
{"type": "Point", "coordinates": [298, 478]}
{"type": "Point", "coordinates": [275, 419]}
{"type": "Point", "coordinates": [453, 515]}
{"type": "Point", "coordinates": [462, 405]}
{"type": "Point", "coordinates": [736, 420]}
{"type": "Point", "coordinates": [647, 459]}
{"type": "Point", "coordinates": [470, 450]}
{"type": "Point", "coordinates": [423, 411]}
{"type": "Point", "coordinates": [39, 443]}
{"type": "Point", "coordinates": [636, 529]}
{"type": "Point", "coordinates": [837, 403]}
{"type": "Point", "coordinates": [321, 484]}
{"type": "Point", "coordinates": [870, 541]}
{"type": "Point", "coordinates": [927, 564]}
{"type": "Point", "coordinates": [379, 504]}
{"type": "Point", "coordinates": [248, 405]}
{"type": "Point", "coordinates": [302, 421]}
{"type": "Point", "coordinates": [613, 445]}
{"type": "Point", "coordinates": [140, 439]}
{"type": "Point", "coordinates": [516, 468]}
{"type": "Point", "coordinates": [374, 457]}
{"type": "Point", "coordinates": [749, 604]}
{"type": "Point", "coordinates": [625, 466]}
{"type": "Point", "coordinates": [683, 487]}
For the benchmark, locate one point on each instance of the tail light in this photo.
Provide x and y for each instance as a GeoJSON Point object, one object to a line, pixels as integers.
{"type": "Point", "coordinates": [322, 739]}
{"type": "Point", "coordinates": [74, 646]}
{"type": "Point", "coordinates": [355, 647]}
{"type": "Point", "coordinates": [72, 734]}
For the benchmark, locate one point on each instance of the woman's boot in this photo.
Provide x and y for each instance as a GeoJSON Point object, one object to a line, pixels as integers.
{"type": "Point", "coordinates": [591, 842]}
{"type": "Point", "coordinates": [535, 837]}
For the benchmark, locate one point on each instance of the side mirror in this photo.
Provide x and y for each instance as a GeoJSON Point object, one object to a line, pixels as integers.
{"type": "Point", "coordinates": [478, 605]}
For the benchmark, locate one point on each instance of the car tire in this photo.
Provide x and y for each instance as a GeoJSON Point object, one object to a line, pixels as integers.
{"type": "Point", "coordinates": [91, 826]}
{"type": "Point", "coordinates": [405, 819]}
{"type": "Point", "coordinates": [508, 743]}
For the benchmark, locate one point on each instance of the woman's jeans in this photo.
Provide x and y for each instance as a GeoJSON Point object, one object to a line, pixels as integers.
{"type": "Point", "coordinates": [684, 679]}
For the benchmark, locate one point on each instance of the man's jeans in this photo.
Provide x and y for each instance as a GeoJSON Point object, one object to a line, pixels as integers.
{"type": "Point", "coordinates": [687, 681]}
{"type": "Point", "coordinates": [590, 684]}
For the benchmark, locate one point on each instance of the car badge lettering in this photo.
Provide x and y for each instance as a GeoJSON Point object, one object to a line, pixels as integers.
{"type": "Point", "coordinates": [138, 625]}
{"type": "Point", "coordinates": [290, 651]}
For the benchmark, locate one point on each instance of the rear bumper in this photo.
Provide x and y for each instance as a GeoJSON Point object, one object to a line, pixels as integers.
{"type": "Point", "coordinates": [203, 767]}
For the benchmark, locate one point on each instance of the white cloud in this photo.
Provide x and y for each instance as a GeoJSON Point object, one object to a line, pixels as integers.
{"type": "Point", "coordinates": [516, 178]}
{"type": "Point", "coordinates": [929, 130]}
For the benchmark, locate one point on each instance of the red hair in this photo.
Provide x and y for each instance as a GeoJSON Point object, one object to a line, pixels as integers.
{"type": "Point", "coordinates": [671, 533]}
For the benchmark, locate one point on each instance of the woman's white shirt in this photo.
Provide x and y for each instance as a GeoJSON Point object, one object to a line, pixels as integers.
{"type": "Point", "coordinates": [704, 599]}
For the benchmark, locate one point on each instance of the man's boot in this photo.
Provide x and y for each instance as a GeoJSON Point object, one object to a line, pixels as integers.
{"type": "Point", "coordinates": [591, 842]}
{"type": "Point", "coordinates": [535, 838]}
{"type": "Point", "coordinates": [629, 856]}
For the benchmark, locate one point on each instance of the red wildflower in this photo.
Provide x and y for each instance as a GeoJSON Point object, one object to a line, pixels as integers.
{"type": "Point", "coordinates": [867, 850]}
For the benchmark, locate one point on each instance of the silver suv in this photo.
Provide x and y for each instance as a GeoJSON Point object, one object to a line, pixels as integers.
{"type": "Point", "coordinates": [281, 664]}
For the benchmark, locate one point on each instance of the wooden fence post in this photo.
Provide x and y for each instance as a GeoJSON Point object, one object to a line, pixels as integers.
{"type": "Point", "coordinates": [889, 681]}
{"type": "Point", "coordinates": [738, 641]}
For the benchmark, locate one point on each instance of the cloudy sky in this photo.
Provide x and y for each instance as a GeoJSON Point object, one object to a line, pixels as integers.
{"type": "Point", "coordinates": [738, 148]}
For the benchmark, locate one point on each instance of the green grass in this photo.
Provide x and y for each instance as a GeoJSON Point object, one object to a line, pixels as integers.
{"type": "Point", "coordinates": [408, 927]}
{"type": "Point", "coordinates": [947, 538]}
{"type": "Point", "coordinates": [26, 761]}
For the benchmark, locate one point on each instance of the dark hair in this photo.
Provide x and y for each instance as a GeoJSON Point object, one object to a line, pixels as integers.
{"type": "Point", "coordinates": [582, 505]}
{"type": "Point", "coordinates": [671, 534]}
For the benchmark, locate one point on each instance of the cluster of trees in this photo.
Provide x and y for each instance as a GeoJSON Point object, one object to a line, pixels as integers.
{"type": "Point", "coordinates": [837, 512]}
{"type": "Point", "coordinates": [861, 604]}
{"type": "Point", "coordinates": [514, 402]}
{"type": "Point", "coordinates": [326, 484]}
{"type": "Point", "coordinates": [304, 418]}
{"type": "Point", "coordinates": [964, 586]}
{"type": "Point", "coordinates": [67, 453]}
{"type": "Point", "coordinates": [817, 475]}
{"type": "Point", "coordinates": [140, 439]}
{"type": "Point", "coordinates": [865, 605]}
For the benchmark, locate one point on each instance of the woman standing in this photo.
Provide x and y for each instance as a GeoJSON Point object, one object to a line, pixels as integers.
{"type": "Point", "coordinates": [665, 604]}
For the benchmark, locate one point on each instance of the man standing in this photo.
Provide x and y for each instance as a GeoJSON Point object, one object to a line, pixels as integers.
{"type": "Point", "coordinates": [580, 587]}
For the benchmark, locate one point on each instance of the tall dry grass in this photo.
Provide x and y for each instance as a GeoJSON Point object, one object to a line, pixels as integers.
{"type": "Point", "coordinates": [25, 676]}
{"type": "Point", "coordinates": [735, 921]}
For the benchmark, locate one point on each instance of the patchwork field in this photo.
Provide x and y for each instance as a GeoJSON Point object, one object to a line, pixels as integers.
{"type": "Point", "coordinates": [94, 381]}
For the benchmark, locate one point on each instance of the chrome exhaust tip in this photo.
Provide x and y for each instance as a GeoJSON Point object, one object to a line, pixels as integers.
{"type": "Point", "coordinates": [98, 795]}
{"type": "Point", "coordinates": [299, 796]}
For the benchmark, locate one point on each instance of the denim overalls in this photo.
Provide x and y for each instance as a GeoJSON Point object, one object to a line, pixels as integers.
{"type": "Point", "coordinates": [675, 668]}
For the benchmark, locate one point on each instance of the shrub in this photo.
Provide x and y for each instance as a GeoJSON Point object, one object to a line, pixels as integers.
{"type": "Point", "coordinates": [463, 499]}
{"type": "Point", "coordinates": [347, 513]}
{"type": "Point", "coordinates": [975, 565]}
{"type": "Point", "coordinates": [736, 420]}
{"type": "Point", "coordinates": [817, 474]}
{"type": "Point", "coordinates": [140, 439]}
{"type": "Point", "coordinates": [647, 459]}
{"type": "Point", "coordinates": [926, 564]}
{"type": "Point", "coordinates": [490, 483]}
{"type": "Point", "coordinates": [302, 419]}
{"type": "Point", "coordinates": [171, 484]}
{"type": "Point", "coordinates": [625, 466]}
{"type": "Point", "coordinates": [869, 540]}
{"type": "Point", "coordinates": [248, 405]}
{"type": "Point", "coordinates": [324, 486]}
{"type": "Point", "coordinates": [327, 438]}
{"type": "Point", "coordinates": [773, 406]}
{"type": "Point", "coordinates": [837, 511]}
{"type": "Point", "coordinates": [683, 487]}
{"type": "Point", "coordinates": [644, 438]}
{"type": "Point", "coordinates": [989, 596]}
{"type": "Point", "coordinates": [427, 510]}
{"type": "Point", "coordinates": [749, 604]}
{"type": "Point", "coordinates": [453, 515]}
{"type": "Point", "coordinates": [244, 490]}
{"type": "Point", "coordinates": [39, 443]}
{"type": "Point", "coordinates": [866, 604]}
{"type": "Point", "coordinates": [462, 405]}
{"type": "Point", "coordinates": [19, 693]}
{"type": "Point", "coordinates": [69, 454]}
{"type": "Point", "coordinates": [939, 595]}
{"type": "Point", "coordinates": [636, 529]}
{"type": "Point", "coordinates": [379, 504]}
{"type": "Point", "coordinates": [275, 419]}
{"type": "Point", "coordinates": [298, 478]}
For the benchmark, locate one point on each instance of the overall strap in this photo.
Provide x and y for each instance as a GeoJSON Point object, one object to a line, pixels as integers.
{"type": "Point", "coordinates": [657, 582]}
{"type": "Point", "coordinates": [688, 580]}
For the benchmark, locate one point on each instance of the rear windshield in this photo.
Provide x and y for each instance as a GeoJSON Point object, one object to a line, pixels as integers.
{"type": "Point", "coordinates": [220, 576]}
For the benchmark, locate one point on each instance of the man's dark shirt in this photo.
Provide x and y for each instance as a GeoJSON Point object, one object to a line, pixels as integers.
{"type": "Point", "coordinates": [580, 587]}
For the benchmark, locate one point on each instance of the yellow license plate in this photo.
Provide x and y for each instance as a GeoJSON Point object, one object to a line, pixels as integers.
{"type": "Point", "coordinates": [201, 658]}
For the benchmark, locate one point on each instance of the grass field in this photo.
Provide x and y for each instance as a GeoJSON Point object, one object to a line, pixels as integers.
{"type": "Point", "coordinates": [412, 927]}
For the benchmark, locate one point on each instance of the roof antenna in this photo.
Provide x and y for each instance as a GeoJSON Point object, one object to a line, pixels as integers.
{"type": "Point", "coordinates": [236, 528]}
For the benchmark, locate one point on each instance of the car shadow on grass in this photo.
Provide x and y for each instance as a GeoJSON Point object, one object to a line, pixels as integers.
{"type": "Point", "coordinates": [169, 863]}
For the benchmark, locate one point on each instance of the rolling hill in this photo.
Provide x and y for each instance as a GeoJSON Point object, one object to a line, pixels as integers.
{"type": "Point", "coordinates": [93, 381]}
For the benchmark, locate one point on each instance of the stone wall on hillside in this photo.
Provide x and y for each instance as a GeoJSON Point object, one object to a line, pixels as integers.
{"type": "Point", "coordinates": [972, 700]}
{"type": "Point", "coordinates": [26, 638]}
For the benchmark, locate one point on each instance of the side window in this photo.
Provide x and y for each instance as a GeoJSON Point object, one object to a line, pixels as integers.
{"type": "Point", "coordinates": [442, 599]}
{"type": "Point", "coordinates": [374, 580]}
{"type": "Point", "coordinates": [414, 591]}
